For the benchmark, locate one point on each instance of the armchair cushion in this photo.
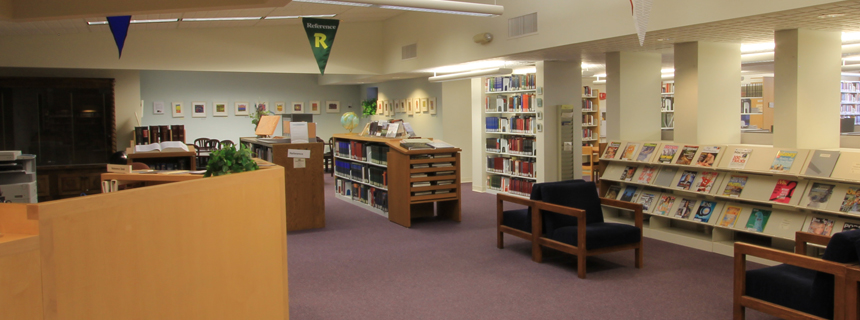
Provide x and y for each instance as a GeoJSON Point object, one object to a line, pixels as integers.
{"type": "Point", "coordinates": [786, 285]}
{"type": "Point", "coordinates": [599, 235]}
{"type": "Point", "coordinates": [581, 195]}
{"type": "Point", "coordinates": [522, 218]}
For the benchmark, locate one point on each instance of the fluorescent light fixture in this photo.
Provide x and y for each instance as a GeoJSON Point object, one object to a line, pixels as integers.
{"type": "Point", "coordinates": [435, 6]}
{"type": "Point", "coordinates": [95, 23]}
{"type": "Point", "coordinates": [850, 36]}
{"type": "Point", "coordinates": [667, 75]}
{"type": "Point", "coordinates": [602, 75]}
{"type": "Point", "coordinates": [297, 17]}
{"type": "Point", "coordinates": [599, 81]}
{"type": "Point", "coordinates": [525, 70]}
{"type": "Point", "coordinates": [486, 64]}
{"type": "Point", "coordinates": [471, 74]}
{"type": "Point", "coordinates": [757, 47]}
{"type": "Point", "coordinates": [670, 70]}
{"type": "Point", "coordinates": [851, 74]}
{"type": "Point", "coordinates": [220, 19]}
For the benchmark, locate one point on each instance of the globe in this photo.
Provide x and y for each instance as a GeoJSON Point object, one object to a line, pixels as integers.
{"type": "Point", "coordinates": [349, 121]}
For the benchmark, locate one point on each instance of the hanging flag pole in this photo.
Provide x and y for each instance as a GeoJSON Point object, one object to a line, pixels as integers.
{"type": "Point", "coordinates": [321, 34]}
{"type": "Point", "coordinates": [119, 29]}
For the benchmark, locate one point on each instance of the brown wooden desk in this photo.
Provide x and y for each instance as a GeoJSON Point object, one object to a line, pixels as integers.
{"type": "Point", "coordinates": [149, 178]}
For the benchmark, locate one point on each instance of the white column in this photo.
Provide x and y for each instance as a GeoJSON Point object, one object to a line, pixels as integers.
{"type": "Point", "coordinates": [456, 105]}
{"type": "Point", "coordinates": [707, 93]}
{"type": "Point", "coordinates": [633, 96]}
{"type": "Point", "coordinates": [807, 90]}
{"type": "Point", "coordinates": [562, 85]}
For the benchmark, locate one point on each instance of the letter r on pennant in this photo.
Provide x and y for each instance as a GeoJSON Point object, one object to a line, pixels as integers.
{"type": "Point", "coordinates": [320, 40]}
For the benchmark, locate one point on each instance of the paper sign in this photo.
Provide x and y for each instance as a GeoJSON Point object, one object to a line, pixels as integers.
{"type": "Point", "coordinates": [295, 153]}
{"type": "Point", "coordinates": [298, 163]}
{"type": "Point", "coordinates": [299, 132]}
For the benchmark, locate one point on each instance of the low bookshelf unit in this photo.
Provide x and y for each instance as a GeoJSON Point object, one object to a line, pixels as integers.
{"type": "Point", "coordinates": [379, 175]}
{"type": "Point", "coordinates": [710, 196]}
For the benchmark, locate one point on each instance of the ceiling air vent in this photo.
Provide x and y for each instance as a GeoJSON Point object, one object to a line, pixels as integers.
{"type": "Point", "coordinates": [409, 51]}
{"type": "Point", "coordinates": [523, 25]}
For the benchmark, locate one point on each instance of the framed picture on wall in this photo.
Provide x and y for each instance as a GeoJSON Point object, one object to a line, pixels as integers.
{"type": "Point", "coordinates": [432, 105]}
{"type": "Point", "coordinates": [329, 108]}
{"type": "Point", "coordinates": [176, 109]}
{"type": "Point", "coordinates": [409, 107]}
{"type": "Point", "coordinates": [158, 107]}
{"type": "Point", "coordinates": [424, 106]}
{"type": "Point", "coordinates": [280, 107]}
{"type": "Point", "coordinates": [241, 109]}
{"type": "Point", "coordinates": [416, 106]}
{"type": "Point", "coordinates": [219, 109]}
{"type": "Point", "coordinates": [198, 109]}
{"type": "Point", "coordinates": [298, 107]}
{"type": "Point", "coordinates": [380, 107]}
{"type": "Point", "coordinates": [315, 109]}
{"type": "Point", "coordinates": [402, 104]}
{"type": "Point", "coordinates": [392, 107]}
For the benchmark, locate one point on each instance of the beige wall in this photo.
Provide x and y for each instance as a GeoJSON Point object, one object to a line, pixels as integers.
{"type": "Point", "coordinates": [457, 122]}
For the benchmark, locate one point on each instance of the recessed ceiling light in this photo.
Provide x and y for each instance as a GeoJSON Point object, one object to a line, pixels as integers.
{"type": "Point", "coordinates": [221, 19]}
{"type": "Point", "coordinates": [831, 15]}
{"type": "Point", "coordinates": [297, 17]}
{"type": "Point", "coordinates": [664, 39]}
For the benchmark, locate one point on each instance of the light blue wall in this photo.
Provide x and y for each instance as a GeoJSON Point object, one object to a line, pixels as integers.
{"type": "Point", "coordinates": [190, 86]}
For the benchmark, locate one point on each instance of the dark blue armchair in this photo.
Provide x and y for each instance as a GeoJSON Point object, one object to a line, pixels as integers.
{"type": "Point", "coordinates": [519, 222]}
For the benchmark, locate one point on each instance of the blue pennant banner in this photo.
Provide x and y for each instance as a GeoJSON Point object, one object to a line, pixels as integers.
{"type": "Point", "coordinates": [119, 28]}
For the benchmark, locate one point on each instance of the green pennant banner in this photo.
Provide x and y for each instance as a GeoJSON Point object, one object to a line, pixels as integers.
{"type": "Point", "coordinates": [321, 36]}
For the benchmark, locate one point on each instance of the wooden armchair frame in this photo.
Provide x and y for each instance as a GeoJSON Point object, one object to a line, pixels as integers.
{"type": "Point", "coordinates": [581, 249]}
{"type": "Point", "coordinates": [502, 229]}
{"type": "Point", "coordinates": [798, 258]}
{"type": "Point", "coordinates": [852, 280]}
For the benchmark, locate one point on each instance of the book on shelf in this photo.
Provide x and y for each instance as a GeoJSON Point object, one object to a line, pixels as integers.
{"type": "Point", "coordinates": [820, 226]}
{"type": "Point", "coordinates": [628, 173]}
{"type": "Point", "coordinates": [420, 165]}
{"type": "Point", "coordinates": [735, 186]}
{"type": "Point", "coordinates": [740, 158]}
{"type": "Point", "coordinates": [708, 156]}
{"type": "Point", "coordinates": [646, 199]}
{"type": "Point", "coordinates": [705, 211]}
{"type": "Point", "coordinates": [851, 202]}
{"type": "Point", "coordinates": [664, 204]}
{"type": "Point", "coordinates": [444, 182]}
{"type": "Point", "coordinates": [629, 194]}
{"type": "Point", "coordinates": [440, 145]}
{"type": "Point", "coordinates": [647, 151]}
{"type": "Point", "coordinates": [421, 184]}
{"type": "Point", "coordinates": [612, 192]}
{"type": "Point", "coordinates": [443, 173]}
{"type": "Point", "coordinates": [850, 226]}
{"type": "Point", "coordinates": [758, 220]}
{"type": "Point", "coordinates": [819, 194]}
{"type": "Point", "coordinates": [164, 146]}
{"type": "Point", "coordinates": [783, 191]}
{"type": "Point", "coordinates": [685, 208]}
{"type": "Point", "coordinates": [416, 144]}
{"type": "Point", "coordinates": [418, 175]}
{"type": "Point", "coordinates": [687, 155]}
{"type": "Point", "coordinates": [611, 149]}
{"type": "Point", "coordinates": [668, 153]}
{"type": "Point", "coordinates": [687, 178]}
{"type": "Point", "coordinates": [630, 151]}
{"type": "Point", "coordinates": [665, 176]}
{"type": "Point", "coordinates": [730, 217]}
{"type": "Point", "coordinates": [706, 181]}
{"type": "Point", "coordinates": [783, 161]}
{"type": "Point", "coordinates": [822, 163]}
{"type": "Point", "coordinates": [647, 174]}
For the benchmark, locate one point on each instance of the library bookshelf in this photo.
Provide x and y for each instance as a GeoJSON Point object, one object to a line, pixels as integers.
{"type": "Point", "coordinates": [590, 116]}
{"type": "Point", "coordinates": [667, 110]}
{"type": "Point", "coordinates": [850, 107]}
{"type": "Point", "coordinates": [304, 190]}
{"type": "Point", "coordinates": [739, 197]}
{"type": "Point", "coordinates": [511, 114]}
{"type": "Point", "coordinates": [380, 176]}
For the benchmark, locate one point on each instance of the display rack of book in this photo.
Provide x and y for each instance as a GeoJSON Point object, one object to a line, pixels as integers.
{"type": "Point", "coordinates": [590, 116]}
{"type": "Point", "coordinates": [379, 175]}
{"type": "Point", "coordinates": [511, 114]}
{"type": "Point", "coordinates": [304, 187]}
{"type": "Point", "coordinates": [710, 196]}
{"type": "Point", "coordinates": [850, 107]}
{"type": "Point", "coordinates": [752, 106]}
{"type": "Point", "coordinates": [667, 110]}
{"type": "Point", "coordinates": [165, 160]}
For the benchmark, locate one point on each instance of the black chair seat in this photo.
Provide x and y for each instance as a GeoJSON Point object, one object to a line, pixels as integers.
{"type": "Point", "coordinates": [518, 219]}
{"type": "Point", "coordinates": [787, 285]}
{"type": "Point", "coordinates": [599, 235]}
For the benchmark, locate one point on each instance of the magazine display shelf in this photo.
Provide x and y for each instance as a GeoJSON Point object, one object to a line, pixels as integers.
{"type": "Point", "coordinates": [763, 190]}
{"type": "Point", "coordinates": [403, 204]}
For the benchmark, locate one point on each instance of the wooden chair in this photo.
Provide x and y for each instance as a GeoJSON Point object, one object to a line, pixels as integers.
{"type": "Point", "coordinates": [803, 287]}
{"type": "Point", "coordinates": [328, 157]}
{"type": "Point", "coordinates": [570, 219]}
{"type": "Point", "coordinates": [226, 144]}
{"type": "Point", "coordinates": [852, 298]}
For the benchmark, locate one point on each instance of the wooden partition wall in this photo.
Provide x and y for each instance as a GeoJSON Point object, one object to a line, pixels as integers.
{"type": "Point", "coordinates": [212, 248]}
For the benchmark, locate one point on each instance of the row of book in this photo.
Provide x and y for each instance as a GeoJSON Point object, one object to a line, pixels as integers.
{"type": "Point", "coordinates": [667, 120]}
{"type": "Point", "coordinates": [588, 105]}
{"type": "Point", "coordinates": [589, 134]}
{"type": "Point", "coordinates": [851, 109]}
{"type": "Point", "coordinates": [513, 103]}
{"type": "Point", "coordinates": [589, 120]}
{"type": "Point", "coordinates": [361, 172]}
{"type": "Point", "coordinates": [851, 86]}
{"type": "Point", "coordinates": [668, 104]}
{"type": "Point", "coordinates": [668, 87]}
{"type": "Point", "coordinates": [751, 90]}
{"type": "Point", "coordinates": [369, 195]}
{"type": "Point", "coordinates": [510, 83]}
{"type": "Point", "coordinates": [517, 186]}
{"type": "Point", "coordinates": [746, 107]}
{"type": "Point", "coordinates": [587, 91]}
{"type": "Point", "coordinates": [517, 167]}
{"type": "Point", "coordinates": [850, 97]}
{"type": "Point", "coordinates": [512, 145]}
{"type": "Point", "coordinates": [516, 124]}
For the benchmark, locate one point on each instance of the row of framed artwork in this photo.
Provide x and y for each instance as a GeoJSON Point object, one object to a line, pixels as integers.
{"type": "Point", "coordinates": [410, 106]}
{"type": "Point", "coordinates": [219, 109]}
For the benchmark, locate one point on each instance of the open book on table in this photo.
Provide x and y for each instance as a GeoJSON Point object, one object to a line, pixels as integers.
{"type": "Point", "coordinates": [166, 146]}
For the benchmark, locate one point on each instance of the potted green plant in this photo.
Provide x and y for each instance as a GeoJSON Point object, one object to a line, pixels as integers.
{"type": "Point", "coordinates": [229, 160]}
{"type": "Point", "coordinates": [368, 107]}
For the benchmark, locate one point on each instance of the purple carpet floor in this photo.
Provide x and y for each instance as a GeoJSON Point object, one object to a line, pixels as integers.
{"type": "Point", "coordinates": [361, 266]}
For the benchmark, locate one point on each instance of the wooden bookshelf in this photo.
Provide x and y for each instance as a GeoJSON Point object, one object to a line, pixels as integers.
{"type": "Point", "coordinates": [667, 109]}
{"type": "Point", "coordinates": [591, 116]}
{"type": "Point", "coordinates": [304, 187]}
{"type": "Point", "coordinates": [396, 197]}
{"type": "Point", "coordinates": [760, 192]}
{"type": "Point", "coordinates": [184, 160]}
